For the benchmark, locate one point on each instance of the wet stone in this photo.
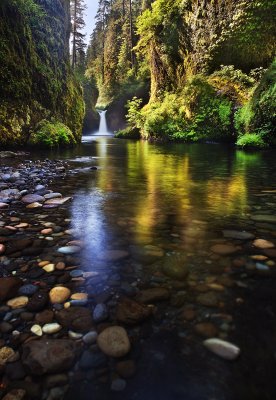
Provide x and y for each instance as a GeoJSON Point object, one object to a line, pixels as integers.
{"type": "Point", "coordinates": [100, 313]}
{"type": "Point", "coordinates": [91, 359]}
{"type": "Point", "coordinates": [206, 329]}
{"type": "Point", "coordinates": [114, 341]}
{"type": "Point", "coordinates": [9, 287]}
{"type": "Point", "coordinates": [224, 249]}
{"type": "Point", "coordinates": [78, 319]}
{"type": "Point", "coordinates": [48, 356]}
{"type": "Point", "coordinates": [28, 290]}
{"type": "Point", "coordinates": [131, 312]}
{"type": "Point", "coordinates": [209, 299]}
{"type": "Point", "coordinates": [33, 198]}
{"type": "Point", "coordinates": [175, 266]}
{"type": "Point", "coordinates": [15, 394]}
{"type": "Point", "coordinates": [153, 295]}
{"type": "Point", "coordinates": [38, 301]}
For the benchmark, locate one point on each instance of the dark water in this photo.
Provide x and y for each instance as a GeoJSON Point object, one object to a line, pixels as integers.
{"type": "Point", "coordinates": [157, 200]}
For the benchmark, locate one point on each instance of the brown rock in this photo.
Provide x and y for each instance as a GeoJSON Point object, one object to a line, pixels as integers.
{"type": "Point", "coordinates": [48, 356]}
{"type": "Point", "coordinates": [59, 294]}
{"type": "Point", "coordinates": [5, 354]}
{"type": "Point", "coordinates": [9, 287]}
{"type": "Point", "coordinates": [189, 314]}
{"type": "Point", "coordinates": [130, 312]}
{"type": "Point", "coordinates": [78, 319]}
{"type": "Point", "coordinates": [15, 394]}
{"type": "Point", "coordinates": [44, 317]}
{"type": "Point", "coordinates": [126, 369]}
{"type": "Point", "coordinates": [206, 329]}
{"type": "Point", "coordinates": [224, 249]}
{"type": "Point", "coordinates": [208, 299]}
{"type": "Point", "coordinates": [114, 342]}
{"type": "Point", "coordinates": [18, 302]}
{"type": "Point", "coordinates": [18, 245]}
{"type": "Point", "coordinates": [152, 295]}
{"type": "Point", "coordinates": [263, 244]}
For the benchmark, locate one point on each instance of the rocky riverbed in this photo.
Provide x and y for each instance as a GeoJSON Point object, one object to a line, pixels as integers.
{"type": "Point", "coordinates": [132, 316]}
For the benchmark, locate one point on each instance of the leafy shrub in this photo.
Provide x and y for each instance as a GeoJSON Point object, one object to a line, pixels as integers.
{"type": "Point", "coordinates": [251, 140]}
{"type": "Point", "coordinates": [128, 133]}
{"type": "Point", "coordinates": [52, 134]}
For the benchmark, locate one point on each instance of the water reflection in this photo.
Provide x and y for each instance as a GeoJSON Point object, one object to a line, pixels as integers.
{"type": "Point", "coordinates": [141, 190]}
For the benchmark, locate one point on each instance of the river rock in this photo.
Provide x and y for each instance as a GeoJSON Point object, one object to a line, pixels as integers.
{"type": "Point", "coordinates": [15, 394]}
{"type": "Point", "coordinates": [152, 295]}
{"type": "Point", "coordinates": [50, 196]}
{"type": "Point", "coordinates": [131, 312]}
{"type": "Point", "coordinates": [48, 356]}
{"type": "Point", "coordinates": [2, 249]}
{"type": "Point", "coordinates": [114, 341]}
{"type": "Point", "coordinates": [18, 245]}
{"type": "Point", "coordinates": [175, 266]}
{"type": "Point", "coordinates": [100, 313]}
{"type": "Point", "coordinates": [208, 299]}
{"type": "Point", "coordinates": [206, 329]}
{"type": "Point", "coordinates": [59, 294]}
{"type": "Point", "coordinates": [224, 249]}
{"type": "Point", "coordinates": [126, 369]}
{"type": "Point", "coordinates": [32, 198]}
{"type": "Point", "coordinates": [78, 319]}
{"type": "Point", "coordinates": [90, 337]}
{"type": "Point", "coordinates": [44, 317]}
{"type": "Point", "coordinates": [79, 296]}
{"type": "Point", "coordinates": [3, 205]}
{"type": "Point", "coordinates": [9, 287]}
{"type": "Point", "coordinates": [264, 218]}
{"type": "Point", "coordinates": [9, 195]}
{"type": "Point", "coordinates": [263, 244]}
{"type": "Point", "coordinates": [38, 301]}
{"type": "Point", "coordinates": [18, 302]}
{"type": "Point", "coordinates": [57, 201]}
{"type": "Point", "coordinates": [34, 205]}
{"type": "Point", "coordinates": [118, 385]}
{"type": "Point", "coordinates": [92, 360]}
{"type": "Point", "coordinates": [36, 330]}
{"type": "Point", "coordinates": [240, 235]}
{"type": "Point", "coordinates": [51, 328]}
{"type": "Point", "coordinates": [69, 249]}
{"type": "Point", "coordinates": [113, 255]}
{"type": "Point", "coordinates": [222, 348]}
{"type": "Point", "coordinates": [28, 290]}
{"type": "Point", "coordinates": [55, 380]}
{"type": "Point", "coordinates": [5, 354]}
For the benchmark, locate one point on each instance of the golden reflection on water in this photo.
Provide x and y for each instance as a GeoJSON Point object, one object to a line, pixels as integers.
{"type": "Point", "coordinates": [190, 185]}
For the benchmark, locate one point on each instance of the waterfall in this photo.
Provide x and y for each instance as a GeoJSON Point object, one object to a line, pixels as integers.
{"type": "Point", "coordinates": [103, 126]}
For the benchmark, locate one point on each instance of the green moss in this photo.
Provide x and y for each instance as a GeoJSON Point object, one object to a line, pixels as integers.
{"type": "Point", "coordinates": [197, 112]}
{"type": "Point", "coordinates": [251, 140]}
{"type": "Point", "coordinates": [52, 134]}
{"type": "Point", "coordinates": [128, 133]}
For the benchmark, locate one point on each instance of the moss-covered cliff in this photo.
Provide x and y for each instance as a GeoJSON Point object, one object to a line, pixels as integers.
{"type": "Point", "coordinates": [35, 77]}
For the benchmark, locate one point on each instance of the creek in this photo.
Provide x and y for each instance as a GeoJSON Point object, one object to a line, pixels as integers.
{"type": "Point", "coordinates": [177, 227]}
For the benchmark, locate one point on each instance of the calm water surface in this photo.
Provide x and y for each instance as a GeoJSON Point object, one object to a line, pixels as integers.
{"type": "Point", "coordinates": [153, 201]}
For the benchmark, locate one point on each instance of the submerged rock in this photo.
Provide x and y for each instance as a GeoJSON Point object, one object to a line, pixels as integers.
{"type": "Point", "coordinates": [9, 287]}
{"type": "Point", "coordinates": [114, 341]}
{"type": "Point", "coordinates": [130, 312]}
{"type": "Point", "coordinates": [48, 356]}
{"type": "Point", "coordinates": [240, 235]}
{"type": "Point", "coordinates": [175, 266]}
{"type": "Point", "coordinates": [224, 349]}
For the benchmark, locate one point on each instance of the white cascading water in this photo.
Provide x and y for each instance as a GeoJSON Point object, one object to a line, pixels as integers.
{"type": "Point", "coordinates": [103, 125]}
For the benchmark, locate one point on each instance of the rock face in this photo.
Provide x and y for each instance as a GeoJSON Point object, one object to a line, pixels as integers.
{"type": "Point", "coordinates": [48, 356]}
{"type": "Point", "coordinates": [114, 341]}
{"type": "Point", "coordinates": [9, 287]}
{"type": "Point", "coordinates": [54, 91]}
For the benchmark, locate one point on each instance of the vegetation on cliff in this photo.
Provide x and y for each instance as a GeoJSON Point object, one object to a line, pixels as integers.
{"type": "Point", "coordinates": [206, 61]}
{"type": "Point", "coordinates": [35, 75]}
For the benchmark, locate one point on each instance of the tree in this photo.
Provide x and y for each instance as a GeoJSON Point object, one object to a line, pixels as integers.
{"type": "Point", "coordinates": [78, 38]}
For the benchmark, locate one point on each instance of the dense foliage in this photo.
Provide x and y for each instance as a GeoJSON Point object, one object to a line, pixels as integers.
{"type": "Point", "coordinates": [35, 76]}
{"type": "Point", "coordinates": [206, 61]}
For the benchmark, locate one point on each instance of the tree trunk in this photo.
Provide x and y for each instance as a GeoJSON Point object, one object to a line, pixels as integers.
{"type": "Point", "coordinates": [74, 55]}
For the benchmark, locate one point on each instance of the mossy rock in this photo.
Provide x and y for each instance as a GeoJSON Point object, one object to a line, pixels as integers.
{"type": "Point", "coordinates": [52, 134]}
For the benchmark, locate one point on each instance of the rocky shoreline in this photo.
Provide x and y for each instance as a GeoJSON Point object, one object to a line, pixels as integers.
{"type": "Point", "coordinates": [65, 325]}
